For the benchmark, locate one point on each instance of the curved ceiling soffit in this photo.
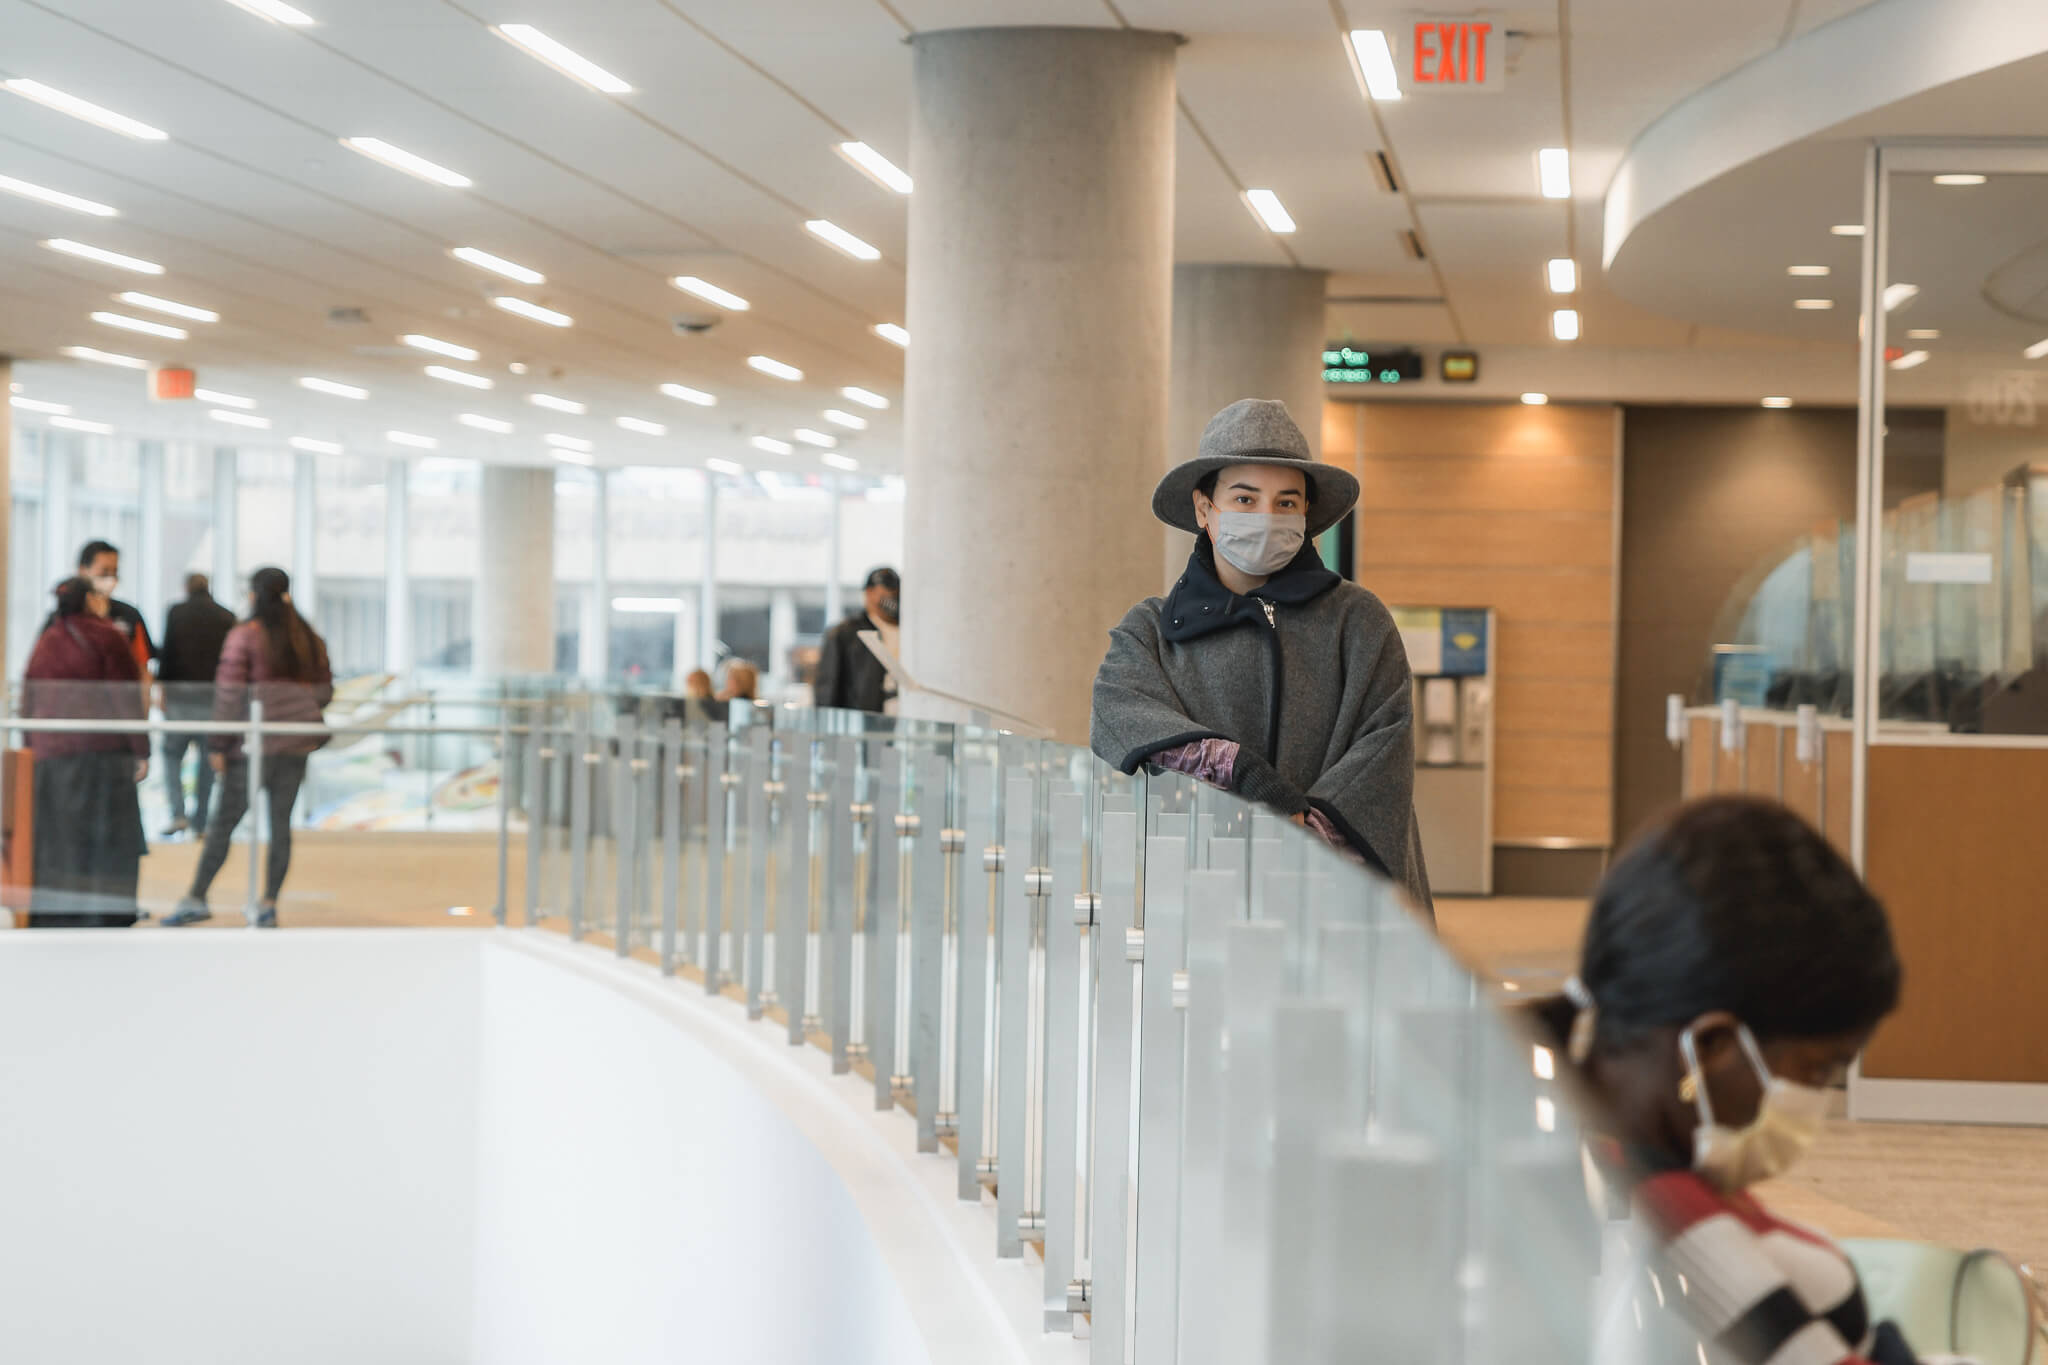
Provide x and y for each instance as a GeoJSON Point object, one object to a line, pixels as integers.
{"type": "Point", "coordinates": [2018, 287]}
{"type": "Point", "coordinates": [1884, 53]}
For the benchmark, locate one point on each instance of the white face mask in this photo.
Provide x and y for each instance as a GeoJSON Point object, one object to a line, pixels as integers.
{"type": "Point", "coordinates": [1786, 1123]}
{"type": "Point", "coordinates": [1259, 543]}
{"type": "Point", "coordinates": [106, 583]}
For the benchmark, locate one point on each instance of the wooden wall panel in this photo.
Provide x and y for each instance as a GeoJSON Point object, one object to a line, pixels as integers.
{"type": "Point", "coordinates": [1509, 507]}
{"type": "Point", "coordinates": [1727, 767]}
{"type": "Point", "coordinates": [1702, 738]}
{"type": "Point", "coordinates": [1762, 744]}
{"type": "Point", "coordinates": [1802, 781]}
{"type": "Point", "coordinates": [1954, 849]}
{"type": "Point", "coordinates": [1838, 754]}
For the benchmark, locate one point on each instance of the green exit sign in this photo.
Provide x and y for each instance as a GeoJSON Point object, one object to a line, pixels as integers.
{"type": "Point", "coordinates": [1384, 365]}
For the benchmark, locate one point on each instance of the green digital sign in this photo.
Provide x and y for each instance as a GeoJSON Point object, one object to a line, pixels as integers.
{"type": "Point", "coordinates": [1386, 365]}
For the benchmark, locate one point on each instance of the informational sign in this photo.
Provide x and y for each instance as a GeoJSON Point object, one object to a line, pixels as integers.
{"type": "Point", "coordinates": [1346, 364]}
{"type": "Point", "coordinates": [172, 384]}
{"type": "Point", "coordinates": [1422, 638]}
{"type": "Point", "coordinates": [1443, 641]}
{"type": "Point", "coordinates": [1454, 52]}
{"type": "Point", "coordinates": [1464, 641]}
{"type": "Point", "coordinates": [1458, 367]}
{"type": "Point", "coordinates": [1742, 674]}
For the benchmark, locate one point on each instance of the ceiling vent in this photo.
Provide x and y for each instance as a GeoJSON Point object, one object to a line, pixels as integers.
{"type": "Point", "coordinates": [348, 317]}
{"type": "Point", "coordinates": [1412, 245]}
{"type": "Point", "coordinates": [1383, 172]}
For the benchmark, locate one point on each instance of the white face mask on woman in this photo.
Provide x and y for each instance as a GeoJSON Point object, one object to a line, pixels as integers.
{"type": "Point", "coordinates": [1787, 1122]}
{"type": "Point", "coordinates": [1259, 543]}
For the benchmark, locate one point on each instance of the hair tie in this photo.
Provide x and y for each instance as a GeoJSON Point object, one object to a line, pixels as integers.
{"type": "Point", "coordinates": [1585, 1022]}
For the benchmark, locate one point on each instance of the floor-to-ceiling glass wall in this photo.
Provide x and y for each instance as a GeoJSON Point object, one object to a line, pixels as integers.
{"type": "Point", "coordinates": [351, 509]}
{"type": "Point", "coordinates": [441, 561]}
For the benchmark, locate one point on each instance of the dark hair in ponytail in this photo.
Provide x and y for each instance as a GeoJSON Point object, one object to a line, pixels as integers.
{"type": "Point", "coordinates": [294, 651]}
{"type": "Point", "coordinates": [1736, 904]}
{"type": "Point", "coordinates": [71, 597]}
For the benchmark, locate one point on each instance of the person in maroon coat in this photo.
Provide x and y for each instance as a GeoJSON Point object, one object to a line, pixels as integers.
{"type": "Point", "coordinates": [276, 657]}
{"type": "Point", "coordinates": [88, 836]}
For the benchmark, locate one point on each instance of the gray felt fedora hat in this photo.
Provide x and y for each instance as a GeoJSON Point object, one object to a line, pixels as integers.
{"type": "Point", "coordinates": [1254, 431]}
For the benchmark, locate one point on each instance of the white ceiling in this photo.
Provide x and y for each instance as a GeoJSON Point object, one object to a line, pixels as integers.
{"type": "Point", "coordinates": [711, 166]}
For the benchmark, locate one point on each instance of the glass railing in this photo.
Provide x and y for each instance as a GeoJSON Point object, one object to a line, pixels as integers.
{"type": "Point", "coordinates": [1222, 1091]}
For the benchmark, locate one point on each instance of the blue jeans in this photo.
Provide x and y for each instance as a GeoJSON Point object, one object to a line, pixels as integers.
{"type": "Point", "coordinates": [175, 745]}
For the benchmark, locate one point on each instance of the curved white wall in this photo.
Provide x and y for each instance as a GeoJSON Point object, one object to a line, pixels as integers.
{"type": "Point", "coordinates": [417, 1146]}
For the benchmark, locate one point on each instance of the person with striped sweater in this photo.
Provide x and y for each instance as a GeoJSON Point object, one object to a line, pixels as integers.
{"type": "Point", "coordinates": [1733, 968]}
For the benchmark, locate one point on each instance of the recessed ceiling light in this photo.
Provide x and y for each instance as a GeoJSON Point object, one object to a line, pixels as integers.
{"type": "Point", "coordinates": [57, 198]}
{"type": "Point", "coordinates": [1554, 172]}
{"type": "Point", "coordinates": [1910, 359]}
{"type": "Point", "coordinates": [38, 405]}
{"type": "Point", "coordinates": [1375, 64]}
{"type": "Point", "coordinates": [80, 424]}
{"type": "Point", "coordinates": [582, 459]}
{"type": "Point", "coordinates": [333, 387]}
{"type": "Point", "coordinates": [771, 445]}
{"type": "Point", "coordinates": [1958, 179]}
{"type": "Point", "coordinates": [532, 310]}
{"type": "Point", "coordinates": [438, 346]}
{"type": "Point", "coordinates": [176, 310]}
{"type": "Point", "coordinates": [1898, 295]}
{"type": "Point", "coordinates": [1564, 324]}
{"type": "Point", "coordinates": [892, 332]}
{"type": "Point", "coordinates": [223, 400]}
{"type": "Point", "coordinates": [846, 419]}
{"type": "Point", "coordinates": [725, 467]}
{"type": "Point", "coordinates": [815, 438]}
{"type": "Point", "coordinates": [770, 365]}
{"type": "Point", "coordinates": [865, 397]}
{"type": "Point", "coordinates": [826, 231]}
{"type": "Point", "coordinates": [561, 442]}
{"type": "Point", "coordinates": [2037, 350]}
{"type": "Point", "coordinates": [517, 367]}
{"type": "Point", "coordinates": [1777, 402]}
{"type": "Point", "coordinates": [85, 109]}
{"type": "Point", "coordinates": [463, 377]}
{"type": "Point", "coordinates": [1267, 208]}
{"type": "Point", "coordinates": [711, 293]}
{"type": "Point", "coordinates": [1814, 305]}
{"type": "Point", "coordinates": [838, 461]}
{"type": "Point", "coordinates": [407, 438]}
{"type": "Point", "coordinates": [126, 362]}
{"type": "Point", "coordinates": [307, 443]}
{"type": "Point", "coordinates": [103, 256]}
{"type": "Point", "coordinates": [875, 166]}
{"type": "Point", "coordinates": [689, 395]}
{"type": "Point", "coordinates": [643, 426]}
{"type": "Point", "coordinates": [240, 419]}
{"type": "Point", "coordinates": [548, 400]}
{"type": "Point", "coordinates": [399, 159]}
{"type": "Point", "coordinates": [1923, 334]}
{"type": "Point", "coordinates": [497, 265]}
{"type": "Point", "coordinates": [1535, 400]}
{"type": "Point", "coordinates": [128, 324]}
{"type": "Point", "coordinates": [1847, 229]}
{"type": "Point", "coordinates": [1812, 271]}
{"type": "Point", "coordinates": [1563, 273]}
{"type": "Point", "coordinates": [276, 11]}
{"type": "Point", "coordinates": [483, 423]}
{"type": "Point", "coordinates": [570, 63]}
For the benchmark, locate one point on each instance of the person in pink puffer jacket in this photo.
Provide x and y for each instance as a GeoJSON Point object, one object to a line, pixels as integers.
{"type": "Point", "coordinates": [277, 658]}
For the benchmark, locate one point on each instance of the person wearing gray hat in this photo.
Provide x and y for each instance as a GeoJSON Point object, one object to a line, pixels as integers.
{"type": "Point", "coordinates": [1262, 671]}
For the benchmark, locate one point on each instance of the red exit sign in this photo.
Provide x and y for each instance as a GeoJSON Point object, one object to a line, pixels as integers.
{"type": "Point", "coordinates": [1455, 52]}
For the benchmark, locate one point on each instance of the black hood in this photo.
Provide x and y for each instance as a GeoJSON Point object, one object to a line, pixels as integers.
{"type": "Point", "coordinates": [1200, 605]}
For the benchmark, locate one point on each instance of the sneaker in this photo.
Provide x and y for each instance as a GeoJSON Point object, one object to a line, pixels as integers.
{"type": "Point", "coordinates": [177, 827]}
{"type": "Point", "coordinates": [189, 911]}
{"type": "Point", "coordinates": [267, 919]}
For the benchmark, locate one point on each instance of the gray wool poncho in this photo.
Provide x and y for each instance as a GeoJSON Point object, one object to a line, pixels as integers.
{"type": "Point", "coordinates": [1307, 675]}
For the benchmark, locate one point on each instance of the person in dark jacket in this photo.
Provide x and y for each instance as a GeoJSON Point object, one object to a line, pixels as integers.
{"type": "Point", "coordinates": [276, 656]}
{"type": "Point", "coordinates": [1262, 671]}
{"type": "Point", "coordinates": [849, 675]}
{"type": "Point", "coordinates": [88, 822]}
{"type": "Point", "coordinates": [194, 634]}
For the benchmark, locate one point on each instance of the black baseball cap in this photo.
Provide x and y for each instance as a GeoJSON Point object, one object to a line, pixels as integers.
{"type": "Point", "coordinates": [883, 578]}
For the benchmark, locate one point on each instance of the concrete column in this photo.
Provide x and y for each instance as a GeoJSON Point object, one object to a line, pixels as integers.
{"type": "Point", "coordinates": [594, 648]}
{"type": "Point", "coordinates": [515, 586]}
{"type": "Point", "coordinates": [1040, 283]}
{"type": "Point", "coordinates": [1241, 331]}
{"type": "Point", "coordinates": [781, 637]}
{"type": "Point", "coordinates": [227, 584]}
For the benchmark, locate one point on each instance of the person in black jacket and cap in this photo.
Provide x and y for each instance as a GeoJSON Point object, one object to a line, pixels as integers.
{"type": "Point", "coordinates": [849, 675]}
{"type": "Point", "coordinates": [194, 633]}
{"type": "Point", "coordinates": [1262, 671]}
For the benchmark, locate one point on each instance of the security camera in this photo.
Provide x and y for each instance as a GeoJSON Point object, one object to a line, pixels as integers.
{"type": "Point", "coordinates": [693, 324]}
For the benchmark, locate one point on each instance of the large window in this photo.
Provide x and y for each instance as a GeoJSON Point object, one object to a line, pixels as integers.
{"type": "Point", "coordinates": [656, 545]}
{"type": "Point", "coordinates": [28, 574]}
{"type": "Point", "coordinates": [576, 550]}
{"type": "Point", "coordinates": [441, 550]}
{"type": "Point", "coordinates": [186, 544]}
{"type": "Point", "coordinates": [351, 507]}
{"type": "Point", "coordinates": [264, 513]}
